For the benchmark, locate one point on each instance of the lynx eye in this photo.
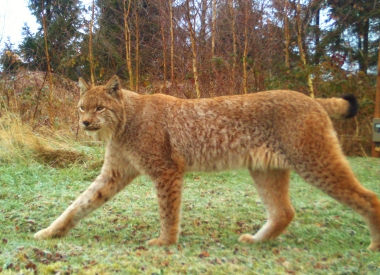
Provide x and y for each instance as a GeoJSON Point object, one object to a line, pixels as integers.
{"type": "Point", "coordinates": [81, 108]}
{"type": "Point", "coordinates": [100, 109]}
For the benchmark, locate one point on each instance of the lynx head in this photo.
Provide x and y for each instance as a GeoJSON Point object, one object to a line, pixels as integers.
{"type": "Point", "coordinates": [100, 108]}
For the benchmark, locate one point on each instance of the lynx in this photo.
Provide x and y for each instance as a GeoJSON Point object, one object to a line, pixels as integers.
{"type": "Point", "coordinates": [269, 133]}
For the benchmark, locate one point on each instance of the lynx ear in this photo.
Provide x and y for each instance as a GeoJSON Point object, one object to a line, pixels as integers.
{"type": "Point", "coordinates": [83, 86]}
{"type": "Point", "coordinates": [113, 86]}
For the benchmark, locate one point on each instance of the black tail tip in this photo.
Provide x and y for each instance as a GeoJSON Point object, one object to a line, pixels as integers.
{"type": "Point", "coordinates": [354, 105]}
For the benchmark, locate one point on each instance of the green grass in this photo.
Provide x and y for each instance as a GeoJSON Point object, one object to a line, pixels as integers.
{"type": "Point", "coordinates": [324, 238]}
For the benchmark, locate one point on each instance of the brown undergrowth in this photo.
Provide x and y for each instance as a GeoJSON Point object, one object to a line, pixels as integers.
{"type": "Point", "coordinates": [25, 93]}
{"type": "Point", "coordinates": [19, 141]}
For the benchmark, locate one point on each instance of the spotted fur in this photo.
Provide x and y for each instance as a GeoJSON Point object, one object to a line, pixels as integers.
{"type": "Point", "coordinates": [269, 133]}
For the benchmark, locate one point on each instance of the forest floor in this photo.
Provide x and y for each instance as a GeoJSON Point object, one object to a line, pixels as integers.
{"type": "Point", "coordinates": [324, 238]}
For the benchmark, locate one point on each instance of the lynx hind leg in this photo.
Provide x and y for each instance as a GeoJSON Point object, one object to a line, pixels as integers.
{"type": "Point", "coordinates": [169, 195]}
{"type": "Point", "coordinates": [273, 188]}
{"type": "Point", "coordinates": [329, 171]}
{"type": "Point", "coordinates": [100, 191]}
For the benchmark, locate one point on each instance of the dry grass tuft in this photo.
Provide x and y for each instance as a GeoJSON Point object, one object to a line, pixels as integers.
{"type": "Point", "coordinates": [18, 141]}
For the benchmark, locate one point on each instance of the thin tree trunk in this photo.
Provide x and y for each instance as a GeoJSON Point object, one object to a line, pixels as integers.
{"type": "Point", "coordinates": [163, 43]}
{"type": "Point", "coordinates": [234, 40]}
{"type": "Point", "coordinates": [90, 45]}
{"type": "Point", "coordinates": [287, 34]}
{"type": "Point", "coordinates": [127, 38]}
{"type": "Point", "coordinates": [213, 34]}
{"type": "Point", "coordinates": [50, 76]}
{"type": "Point", "coordinates": [213, 28]}
{"type": "Point", "coordinates": [318, 50]}
{"type": "Point", "coordinates": [364, 33]}
{"type": "Point", "coordinates": [137, 58]}
{"type": "Point", "coordinates": [202, 33]}
{"type": "Point", "coordinates": [245, 73]}
{"type": "Point", "coordinates": [376, 148]}
{"type": "Point", "coordinates": [193, 49]}
{"type": "Point", "coordinates": [171, 42]}
{"type": "Point", "coordinates": [301, 49]}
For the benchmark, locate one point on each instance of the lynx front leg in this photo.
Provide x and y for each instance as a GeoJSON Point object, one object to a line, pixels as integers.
{"type": "Point", "coordinates": [108, 183]}
{"type": "Point", "coordinates": [273, 189]}
{"type": "Point", "coordinates": [169, 194]}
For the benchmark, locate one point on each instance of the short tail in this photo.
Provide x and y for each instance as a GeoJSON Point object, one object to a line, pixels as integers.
{"type": "Point", "coordinates": [345, 107]}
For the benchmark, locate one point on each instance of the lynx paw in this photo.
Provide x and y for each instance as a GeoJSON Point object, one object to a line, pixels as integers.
{"type": "Point", "coordinates": [246, 238]}
{"type": "Point", "coordinates": [43, 234]}
{"type": "Point", "coordinates": [159, 242]}
{"type": "Point", "coordinates": [374, 247]}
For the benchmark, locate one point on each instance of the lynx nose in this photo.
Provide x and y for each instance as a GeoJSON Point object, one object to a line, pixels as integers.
{"type": "Point", "coordinates": [86, 123]}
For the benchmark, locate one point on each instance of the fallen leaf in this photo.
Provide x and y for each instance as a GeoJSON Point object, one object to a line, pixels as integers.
{"type": "Point", "coordinates": [141, 248]}
{"type": "Point", "coordinates": [31, 265]}
{"type": "Point", "coordinates": [318, 266]}
{"type": "Point", "coordinates": [93, 262]}
{"type": "Point", "coordinates": [276, 251]}
{"type": "Point", "coordinates": [98, 238]}
{"type": "Point", "coordinates": [240, 223]}
{"type": "Point", "coordinates": [38, 252]}
{"type": "Point", "coordinates": [5, 241]}
{"type": "Point", "coordinates": [204, 254]}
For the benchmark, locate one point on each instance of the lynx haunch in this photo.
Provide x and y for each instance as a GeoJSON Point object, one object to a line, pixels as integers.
{"type": "Point", "coordinates": [269, 133]}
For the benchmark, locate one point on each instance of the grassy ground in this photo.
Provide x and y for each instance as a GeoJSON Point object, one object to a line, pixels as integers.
{"type": "Point", "coordinates": [324, 238]}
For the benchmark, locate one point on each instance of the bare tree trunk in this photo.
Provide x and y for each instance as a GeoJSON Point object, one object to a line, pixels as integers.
{"type": "Point", "coordinates": [4, 103]}
{"type": "Point", "coordinates": [245, 73]}
{"type": "Point", "coordinates": [193, 49]}
{"type": "Point", "coordinates": [127, 38]}
{"type": "Point", "coordinates": [202, 33]}
{"type": "Point", "coordinates": [376, 148]}
{"type": "Point", "coordinates": [234, 40]}
{"type": "Point", "coordinates": [162, 21]}
{"type": "Point", "coordinates": [287, 34]}
{"type": "Point", "coordinates": [213, 34]}
{"type": "Point", "coordinates": [51, 108]}
{"type": "Point", "coordinates": [365, 34]}
{"type": "Point", "coordinates": [213, 28]}
{"type": "Point", "coordinates": [137, 58]}
{"type": "Point", "coordinates": [300, 47]}
{"type": "Point", "coordinates": [90, 45]}
{"type": "Point", "coordinates": [171, 42]}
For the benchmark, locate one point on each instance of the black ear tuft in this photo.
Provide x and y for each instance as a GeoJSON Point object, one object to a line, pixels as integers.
{"type": "Point", "coordinates": [354, 105]}
{"type": "Point", "coordinates": [113, 86]}
{"type": "Point", "coordinates": [83, 86]}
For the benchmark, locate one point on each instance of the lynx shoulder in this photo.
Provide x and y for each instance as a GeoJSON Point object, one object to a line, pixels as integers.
{"type": "Point", "coordinates": [269, 133]}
